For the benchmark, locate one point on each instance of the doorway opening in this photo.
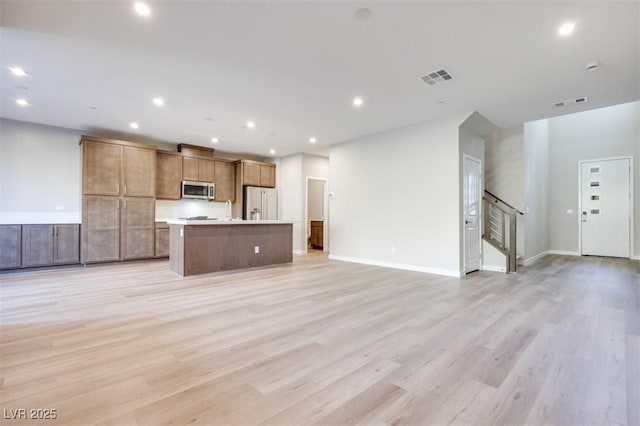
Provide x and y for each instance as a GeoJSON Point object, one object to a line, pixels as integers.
{"type": "Point", "coordinates": [316, 217]}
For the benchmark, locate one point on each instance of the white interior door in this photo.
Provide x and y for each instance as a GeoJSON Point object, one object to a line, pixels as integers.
{"type": "Point", "coordinates": [472, 208]}
{"type": "Point", "coordinates": [605, 200]}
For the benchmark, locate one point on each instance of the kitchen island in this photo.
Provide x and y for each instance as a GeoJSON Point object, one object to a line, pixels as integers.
{"type": "Point", "coordinates": [203, 246]}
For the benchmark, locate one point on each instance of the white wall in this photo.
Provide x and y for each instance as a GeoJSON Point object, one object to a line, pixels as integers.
{"type": "Point", "coordinates": [290, 196]}
{"type": "Point", "coordinates": [536, 189]}
{"type": "Point", "coordinates": [601, 133]}
{"type": "Point", "coordinates": [315, 204]}
{"type": "Point", "coordinates": [40, 173]}
{"type": "Point", "coordinates": [505, 174]}
{"type": "Point", "coordinates": [398, 190]}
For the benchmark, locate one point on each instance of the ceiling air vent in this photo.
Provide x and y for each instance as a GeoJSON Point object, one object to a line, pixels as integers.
{"type": "Point", "coordinates": [568, 102]}
{"type": "Point", "coordinates": [437, 77]}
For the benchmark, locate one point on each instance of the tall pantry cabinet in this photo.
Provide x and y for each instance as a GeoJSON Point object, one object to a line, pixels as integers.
{"type": "Point", "coordinates": [118, 201]}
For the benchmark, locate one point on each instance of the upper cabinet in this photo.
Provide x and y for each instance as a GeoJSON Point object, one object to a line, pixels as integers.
{"type": "Point", "coordinates": [225, 181]}
{"type": "Point", "coordinates": [198, 169]}
{"type": "Point", "coordinates": [118, 168]}
{"type": "Point", "coordinates": [101, 168]}
{"type": "Point", "coordinates": [168, 175]}
{"type": "Point", "coordinates": [258, 174]}
{"type": "Point", "coordinates": [139, 167]}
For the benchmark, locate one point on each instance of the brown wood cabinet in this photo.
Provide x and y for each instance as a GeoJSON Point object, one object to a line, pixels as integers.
{"type": "Point", "coordinates": [137, 232]}
{"type": "Point", "coordinates": [251, 174]}
{"type": "Point", "coordinates": [198, 169]}
{"type": "Point", "coordinates": [117, 168]}
{"type": "Point", "coordinates": [10, 246]}
{"type": "Point", "coordinates": [37, 245]}
{"type": "Point", "coordinates": [317, 232]}
{"type": "Point", "coordinates": [118, 224]}
{"type": "Point", "coordinates": [268, 175]}
{"type": "Point", "coordinates": [100, 229]}
{"type": "Point", "coordinates": [258, 174]}
{"type": "Point", "coordinates": [162, 239]}
{"type": "Point", "coordinates": [139, 166]}
{"type": "Point", "coordinates": [168, 176]}
{"type": "Point", "coordinates": [101, 167]}
{"type": "Point", "coordinates": [54, 244]}
{"type": "Point", "coordinates": [117, 229]}
{"type": "Point", "coordinates": [225, 180]}
{"type": "Point", "coordinates": [66, 244]}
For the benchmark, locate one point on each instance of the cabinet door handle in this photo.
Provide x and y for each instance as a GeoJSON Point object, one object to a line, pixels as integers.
{"type": "Point", "coordinates": [118, 204]}
{"type": "Point", "coordinates": [118, 188]}
{"type": "Point", "coordinates": [125, 189]}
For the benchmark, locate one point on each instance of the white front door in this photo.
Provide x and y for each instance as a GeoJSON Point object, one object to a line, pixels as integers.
{"type": "Point", "coordinates": [605, 199]}
{"type": "Point", "coordinates": [472, 208]}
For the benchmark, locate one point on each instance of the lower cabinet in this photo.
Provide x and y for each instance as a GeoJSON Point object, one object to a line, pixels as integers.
{"type": "Point", "coordinates": [162, 239]}
{"type": "Point", "coordinates": [317, 230]}
{"type": "Point", "coordinates": [66, 244]}
{"type": "Point", "coordinates": [117, 228]}
{"type": "Point", "coordinates": [10, 246]}
{"type": "Point", "coordinates": [138, 219]}
{"type": "Point", "coordinates": [39, 245]}
{"type": "Point", "coordinates": [100, 229]}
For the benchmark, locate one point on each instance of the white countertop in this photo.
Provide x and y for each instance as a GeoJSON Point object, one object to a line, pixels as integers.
{"type": "Point", "coordinates": [224, 222]}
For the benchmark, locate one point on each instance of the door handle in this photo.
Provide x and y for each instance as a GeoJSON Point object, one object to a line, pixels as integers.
{"type": "Point", "coordinates": [466, 222]}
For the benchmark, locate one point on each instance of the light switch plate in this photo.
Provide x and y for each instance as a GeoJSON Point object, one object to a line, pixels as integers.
{"type": "Point", "coordinates": [569, 211]}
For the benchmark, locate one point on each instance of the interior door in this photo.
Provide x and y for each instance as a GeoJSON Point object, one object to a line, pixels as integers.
{"type": "Point", "coordinates": [471, 208]}
{"type": "Point", "coordinates": [605, 199]}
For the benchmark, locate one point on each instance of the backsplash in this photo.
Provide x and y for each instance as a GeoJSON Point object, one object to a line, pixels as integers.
{"type": "Point", "coordinates": [174, 209]}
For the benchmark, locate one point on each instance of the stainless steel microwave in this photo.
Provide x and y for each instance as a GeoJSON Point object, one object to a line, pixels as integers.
{"type": "Point", "coordinates": [198, 190]}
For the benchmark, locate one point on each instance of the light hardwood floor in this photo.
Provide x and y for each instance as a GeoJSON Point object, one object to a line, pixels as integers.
{"type": "Point", "coordinates": [324, 342]}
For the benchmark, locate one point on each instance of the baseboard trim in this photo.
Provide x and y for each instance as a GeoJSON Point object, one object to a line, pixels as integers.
{"type": "Point", "coordinates": [564, 253]}
{"type": "Point", "coordinates": [435, 271]}
{"type": "Point", "coordinates": [635, 257]}
{"type": "Point", "coordinates": [299, 252]}
{"type": "Point", "coordinates": [492, 268]}
{"type": "Point", "coordinates": [533, 259]}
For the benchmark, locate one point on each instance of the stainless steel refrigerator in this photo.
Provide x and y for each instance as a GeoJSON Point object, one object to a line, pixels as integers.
{"type": "Point", "coordinates": [260, 203]}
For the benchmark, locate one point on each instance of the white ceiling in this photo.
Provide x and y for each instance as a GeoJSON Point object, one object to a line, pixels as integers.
{"type": "Point", "coordinates": [293, 67]}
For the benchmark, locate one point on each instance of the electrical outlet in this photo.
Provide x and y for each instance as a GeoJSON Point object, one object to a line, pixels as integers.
{"type": "Point", "coordinates": [393, 249]}
{"type": "Point", "coordinates": [256, 249]}
{"type": "Point", "coordinates": [59, 208]}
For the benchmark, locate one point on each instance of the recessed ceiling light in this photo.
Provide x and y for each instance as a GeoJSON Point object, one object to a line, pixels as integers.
{"type": "Point", "coordinates": [272, 151]}
{"type": "Point", "coordinates": [142, 9]}
{"type": "Point", "coordinates": [251, 124]}
{"type": "Point", "coordinates": [134, 125]}
{"type": "Point", "coordinates": [566, 28]}
{"type": "Point", "coordinates": [214, 140]}
{"type": "Point", "coordinates": [357, 102]}
{"type": "Point", "coordinates": [17, 71]}
{"type": "Point", "coordinates": [158, 101]}
{"type": "Point", "coordinates": [312, 140]}
{"type": "Point", "coordinates": [22, 102]}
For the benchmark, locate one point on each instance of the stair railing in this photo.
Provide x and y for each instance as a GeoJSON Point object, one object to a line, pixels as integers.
{"type": "Point", "coordinates": [500, 230]}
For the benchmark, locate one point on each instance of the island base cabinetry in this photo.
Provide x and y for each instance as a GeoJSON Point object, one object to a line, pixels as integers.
{"type": "Point", "coordinates": [199, 249]}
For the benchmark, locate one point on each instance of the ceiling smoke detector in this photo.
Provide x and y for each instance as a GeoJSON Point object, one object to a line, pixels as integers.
{"type": "Point", "coordinates": [592, 66]}
{"type": "Point", "coordinates": [580, 100]}
{"type": "Point", "coordinates": [437, 77]}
